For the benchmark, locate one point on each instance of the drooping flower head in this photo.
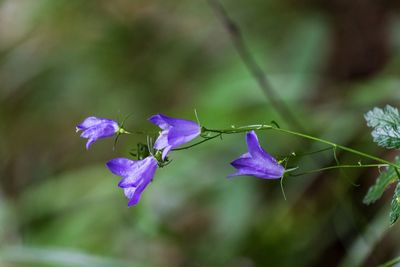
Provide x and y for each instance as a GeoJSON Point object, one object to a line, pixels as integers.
{"type": "Point", "coordinates": [95, 128]}
{"type": "Point", "coordinates": [136, 175]}
{"type": "Point", "coordinates": [175, 132]}
{"type": "Point", "coordinates": [256, 162]}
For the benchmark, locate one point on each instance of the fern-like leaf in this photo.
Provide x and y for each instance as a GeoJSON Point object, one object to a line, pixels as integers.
{"type": "Point", "coordinates": [386, 126]}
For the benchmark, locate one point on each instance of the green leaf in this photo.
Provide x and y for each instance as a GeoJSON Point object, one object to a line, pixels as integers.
{"type": "Point", "coordinates": [385, 179]}
{"type": "Point", "coordinates": [386, 126]}
{"type": "Point", "coordinates": [395, 207]}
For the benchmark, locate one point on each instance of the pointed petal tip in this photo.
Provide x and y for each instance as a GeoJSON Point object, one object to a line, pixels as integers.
{"type": "Point", "coordinates": [123, 184]}
{"type": "Point", "coordinates": [230, 176]}
{"type": "Point", "coordinates": [133, 202]}
{"type": "Point", "coordinates": [155, 118]}
{"type": "Point", "coordinates": [89, 143]}
{"type": "Point", "coordinates": [165, 152]}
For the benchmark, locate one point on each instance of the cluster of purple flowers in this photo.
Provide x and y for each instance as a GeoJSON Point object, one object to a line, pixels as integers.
{"type": "Point", "coordinates": [137, 174]}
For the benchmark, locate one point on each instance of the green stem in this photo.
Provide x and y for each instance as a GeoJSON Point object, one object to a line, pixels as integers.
{"type": "Point", "coordinates": [198, 143]}
{"type": "Point", "coordinates": [340, 167]}
{"type": "Point", "coordinates": [391, 262]}
{"type": "Point", "coordinates": [306, 136]}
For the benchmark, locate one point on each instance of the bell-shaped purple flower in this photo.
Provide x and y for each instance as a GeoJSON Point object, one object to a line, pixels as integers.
{"type": "Point", "coordinates": [175, 132]}
{"type": "Point", "coordinates": [256, 162]}
{"type": "Point", "coordinates": [136, 175]}
{"type": "Point", "coordinates": [95, 128]}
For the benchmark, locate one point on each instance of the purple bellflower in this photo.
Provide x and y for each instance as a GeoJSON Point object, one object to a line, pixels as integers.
{"type": "Point", "coordinates": [136, 175]}
{"type": "Point", "coordinates": [94, 128]}
{"type": "Point", "coordinates": [256, 162]}
{"type": "Point", "coordinates": [175, 132]}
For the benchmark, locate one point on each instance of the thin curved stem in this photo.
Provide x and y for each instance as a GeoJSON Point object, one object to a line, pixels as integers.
{"type": "Point", "coordinates": [294, 154]}
{"type": "Point", "coordinates": [306, 136]}
{"type": "Point", "coordinates": [340, 167]}
{"type": "Point", "coordinates": [198, 143]}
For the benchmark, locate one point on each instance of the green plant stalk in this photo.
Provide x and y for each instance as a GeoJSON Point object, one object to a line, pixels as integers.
{"type": "Point", "coordinates": [306, 136]}
{"type": "Point", "coordinates": [341, 167]}
{"type": "Point", "coordinates": [390, 263]}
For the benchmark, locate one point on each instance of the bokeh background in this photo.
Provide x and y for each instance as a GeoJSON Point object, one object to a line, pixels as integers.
{"type": "Point", "coordinates": [64, 60]}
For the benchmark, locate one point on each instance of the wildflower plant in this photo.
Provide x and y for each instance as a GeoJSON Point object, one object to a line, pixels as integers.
{"type": "Point", "coordinates": [136, 174]}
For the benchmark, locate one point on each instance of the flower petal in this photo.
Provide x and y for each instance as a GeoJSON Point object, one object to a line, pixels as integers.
{"type": "Point", "coordinates": [141, 170]}
{"type": "Point", "coordinates": [120, 166]}
{"type": "Point", "coordinates": [162, 140]}
{"type": "Point", "coordinates": [180, 135]}
{"type": "Point", "coordinates": [137, 174]}
{"type": "Point", "coordinates": [255, 149]}
{"type": "Point", "coordinates": [134, 192]}
{"type": "Point", "coordinates": [165, 152]}
{"type": "Point", "coordinates": [99, 131]}
{"type": "Point", "coordinates": [93, 121]}
{"type": "Point", "coordinates": [89, 143]}
{"type": "Point", "coordinates": [243, 161]}
{"type": "Point", "coordinates": [175, 132]}
{"type": "Point", "coordinates": [250, 172]}
{"type": "Point", "coordinates": [88, 122]}
{"type": "Point", "coordinates": [257, 162]}
{"type": "Point", "coordinates": [159, 121]}
{"type": "Point", "coordinates": [137, 194]}
{"type": "Point", "coordinates": [253, 145]}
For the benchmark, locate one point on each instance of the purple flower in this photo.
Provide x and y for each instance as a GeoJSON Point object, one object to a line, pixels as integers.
{"type": "Point", "coordinates": [136, 175]}
{"type": "Point", "coordinates": [95, 128]}
{"type": "Point", "coordinates": [257, 162]}
{"type": "Point", "coordinates": [175, 132]}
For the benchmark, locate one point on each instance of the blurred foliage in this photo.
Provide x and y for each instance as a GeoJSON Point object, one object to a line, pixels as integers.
{"type": "Point", "coordinates": [63, 60]}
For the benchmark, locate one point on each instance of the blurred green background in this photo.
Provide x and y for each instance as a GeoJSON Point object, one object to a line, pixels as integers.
{"type": "Point", "coordinates": [64, 60]}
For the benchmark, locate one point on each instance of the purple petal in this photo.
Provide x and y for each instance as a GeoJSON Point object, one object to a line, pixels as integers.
{"type": "Point", "coordinates": [255, 149]}
{"type": "Point", "coordinates": [88, 122]}
{"type": "Point", "coordinates": [120, 166]}
{"type": "Point", "coordinates": [90, 142]}
{"type": "Point", "coordinates": [137, 174]}
{"type": "Point", "coordinates": [253, 145]}
{"type": "Point", "coordinates": [137, 194]}
{"type": "Point", "coordinates": [99, 131]}
{"type": "Point", "coordinates": [257, 162]}
{"type": "Point", "coordinates": [164, 122]}
{"type": "Point", "coordinates": [133, 194]}
{"type": "Point", "coordinates": [250, 172]}
{"type": "Point", "coordinates": [141, 170]}
{"type": "Point", "coordinates": [243, 161]}
{"type": "Point", "coordinates": [129, 192]}
{"type": "Point", "coordinates": [185, 133]}
{"type": "Point", "coordinates": [93, 121]}
{"type": "Point", "coordinates": [162, 140]}
{"type": "Point", "coordinates": [160, 121]}
{"type": "Point", "coordinates": [143, 178]}
{"type": "Point", "coordinates": [166, 151]}
{"type": "Point", "coordinates": [175, 132]}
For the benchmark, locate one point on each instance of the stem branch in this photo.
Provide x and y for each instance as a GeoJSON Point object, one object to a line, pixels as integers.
{"type": "Point", "coordinates": [306, 136]}
{"type": "Point", "coordinates": [340, 167]}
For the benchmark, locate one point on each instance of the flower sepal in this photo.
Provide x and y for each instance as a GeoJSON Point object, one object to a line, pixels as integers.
{"type": "Point", "coordinates": [161, 162]}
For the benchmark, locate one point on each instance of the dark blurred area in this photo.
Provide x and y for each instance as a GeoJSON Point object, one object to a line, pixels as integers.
{"type": "Point", "coordinates": [64, 60]}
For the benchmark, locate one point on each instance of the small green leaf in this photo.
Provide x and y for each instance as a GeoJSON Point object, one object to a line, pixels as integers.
{"type": "Point", "coordinates": [385, 179]}
{"type": "Point", "coordinates": [386, 126]}
{"type": "Point", "coordinates": [395, 207]}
